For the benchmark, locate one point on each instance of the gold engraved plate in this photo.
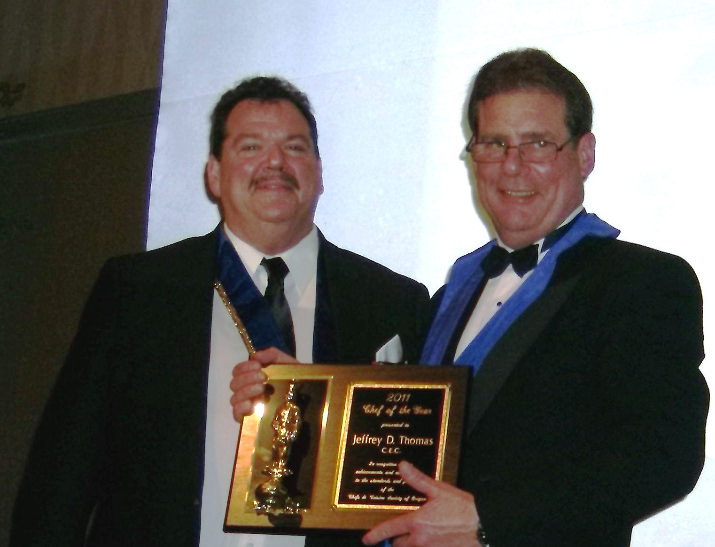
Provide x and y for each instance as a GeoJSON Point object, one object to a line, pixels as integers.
{"type": "Point", "coordinates": [323, 455]}
{"type": "Point", "coordinates": [384, 424]}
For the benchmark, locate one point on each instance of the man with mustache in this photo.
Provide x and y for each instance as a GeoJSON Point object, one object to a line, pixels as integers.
{"type": "Point", "coordinates": [587, 409]}
{"type": "Point", "coordinates": [137, 442]}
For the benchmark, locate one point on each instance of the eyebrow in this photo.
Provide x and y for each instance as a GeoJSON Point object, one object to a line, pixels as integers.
{"type": "Point", "coordinates": [537, 136]}
{"type": "Point", "coordinates": [530, 136]}
{"type": "Point", "coordinates": [258, 136]}
{"type": "Point", "coordinates": [300, 137]}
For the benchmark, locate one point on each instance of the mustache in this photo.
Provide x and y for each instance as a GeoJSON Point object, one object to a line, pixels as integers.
{"type": "Point", "coordinates": [282, 175]}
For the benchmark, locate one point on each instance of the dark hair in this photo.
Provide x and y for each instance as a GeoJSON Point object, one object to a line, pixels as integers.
{"type": "Point", "coordinates": [524, 69]}
{"type": "Point", "coordinates": [264, 89]}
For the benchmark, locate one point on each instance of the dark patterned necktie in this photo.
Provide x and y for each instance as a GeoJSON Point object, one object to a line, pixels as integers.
{"type": "Point", "coordinates": [275, 296]}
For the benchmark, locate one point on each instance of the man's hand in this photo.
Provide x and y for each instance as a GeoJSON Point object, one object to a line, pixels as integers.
{"type": "Point", "coordinates": [248, 383]}
{"type": "Point", "coordinates": [448, 517]}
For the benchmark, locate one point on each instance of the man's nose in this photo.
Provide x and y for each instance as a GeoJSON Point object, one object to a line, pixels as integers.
{"type": "Point", "coordinates": [276, 156]}
{"type": "Point", "coordinates": [512, 160]}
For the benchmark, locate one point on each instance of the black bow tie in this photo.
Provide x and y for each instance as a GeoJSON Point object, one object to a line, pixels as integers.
{"type": "Point", "coordinates": [498, 258]}
{"type": "Point", "coordinates": [522, 260]}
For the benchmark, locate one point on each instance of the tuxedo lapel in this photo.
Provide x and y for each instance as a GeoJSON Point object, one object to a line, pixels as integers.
{"type": "Point", "coordinates": [511, 348]}
{"type": "Point", "coordinates": [345, 328]}
{"type": "Point", "coordinates": [324, 337]}
{"type": "Point", "coordinates": [572, 267]}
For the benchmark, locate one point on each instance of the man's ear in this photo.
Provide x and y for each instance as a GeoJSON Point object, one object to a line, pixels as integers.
{"type": "Point", "coordinates": [212, 175]}
{"type": "Point", "coordinates": [586, 150]}
{"type": "Point", "coordinates": [320, 177]}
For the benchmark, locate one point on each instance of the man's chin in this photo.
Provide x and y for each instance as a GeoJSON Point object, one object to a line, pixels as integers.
{"type": "Point", "coordinates": [280, 213]}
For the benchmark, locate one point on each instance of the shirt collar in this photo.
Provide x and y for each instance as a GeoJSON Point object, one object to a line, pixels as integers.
{"type": "Point", "coordinates": [301, 259]}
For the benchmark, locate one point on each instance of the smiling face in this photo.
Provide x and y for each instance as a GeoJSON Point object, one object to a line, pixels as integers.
{"type": "Point", "coordinates": [268, 178]}
{"type": "Point", "coordinates": [526, 201]}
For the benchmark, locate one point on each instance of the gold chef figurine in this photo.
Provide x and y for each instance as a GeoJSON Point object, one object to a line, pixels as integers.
{"type": "Point", "coordinates": [271, 496]}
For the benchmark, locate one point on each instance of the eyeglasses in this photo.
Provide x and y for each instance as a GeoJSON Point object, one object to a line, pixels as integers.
{"type": "Point", "coordinates": [494, 151]}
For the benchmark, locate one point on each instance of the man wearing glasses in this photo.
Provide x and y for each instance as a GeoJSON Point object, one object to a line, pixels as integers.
{"type": "Point", "coordinates": [587, 408]}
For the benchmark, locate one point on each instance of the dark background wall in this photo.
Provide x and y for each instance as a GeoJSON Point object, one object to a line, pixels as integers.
{"type": "Point", "coordinates": [78, 98]}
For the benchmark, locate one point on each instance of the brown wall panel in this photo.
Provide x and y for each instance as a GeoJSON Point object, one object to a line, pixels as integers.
{"type": "Point", "coordinates": [72, 51]}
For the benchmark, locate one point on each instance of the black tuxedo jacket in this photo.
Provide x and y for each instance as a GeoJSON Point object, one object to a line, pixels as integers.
{"type": "Point", "coordinates": [589, 413]}
{"type": "Point", "coordinates": [118, 453]}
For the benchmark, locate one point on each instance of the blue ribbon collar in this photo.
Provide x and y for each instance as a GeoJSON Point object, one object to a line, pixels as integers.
{"type": "Point", "coordinates": [466, 275]}
{"type": "Point", "coordinates": [251, 307]}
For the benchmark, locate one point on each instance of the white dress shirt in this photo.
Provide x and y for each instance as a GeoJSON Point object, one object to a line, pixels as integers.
{"type": "Point", "coordinates": [227, 350]}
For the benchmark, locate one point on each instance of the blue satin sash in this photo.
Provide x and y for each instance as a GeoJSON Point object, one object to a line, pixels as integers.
{"type": "Point", "coordinates": [249, 303]}
{"type": "Point", "coordinates": [466, 275]}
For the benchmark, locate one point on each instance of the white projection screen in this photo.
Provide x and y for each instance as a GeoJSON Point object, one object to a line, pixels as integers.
{"type": "Point", "coordinates": [388, 81]}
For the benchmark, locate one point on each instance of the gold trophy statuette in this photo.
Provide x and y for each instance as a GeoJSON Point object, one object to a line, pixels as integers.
{"type": "Point", "coordinates": [271, 496]}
